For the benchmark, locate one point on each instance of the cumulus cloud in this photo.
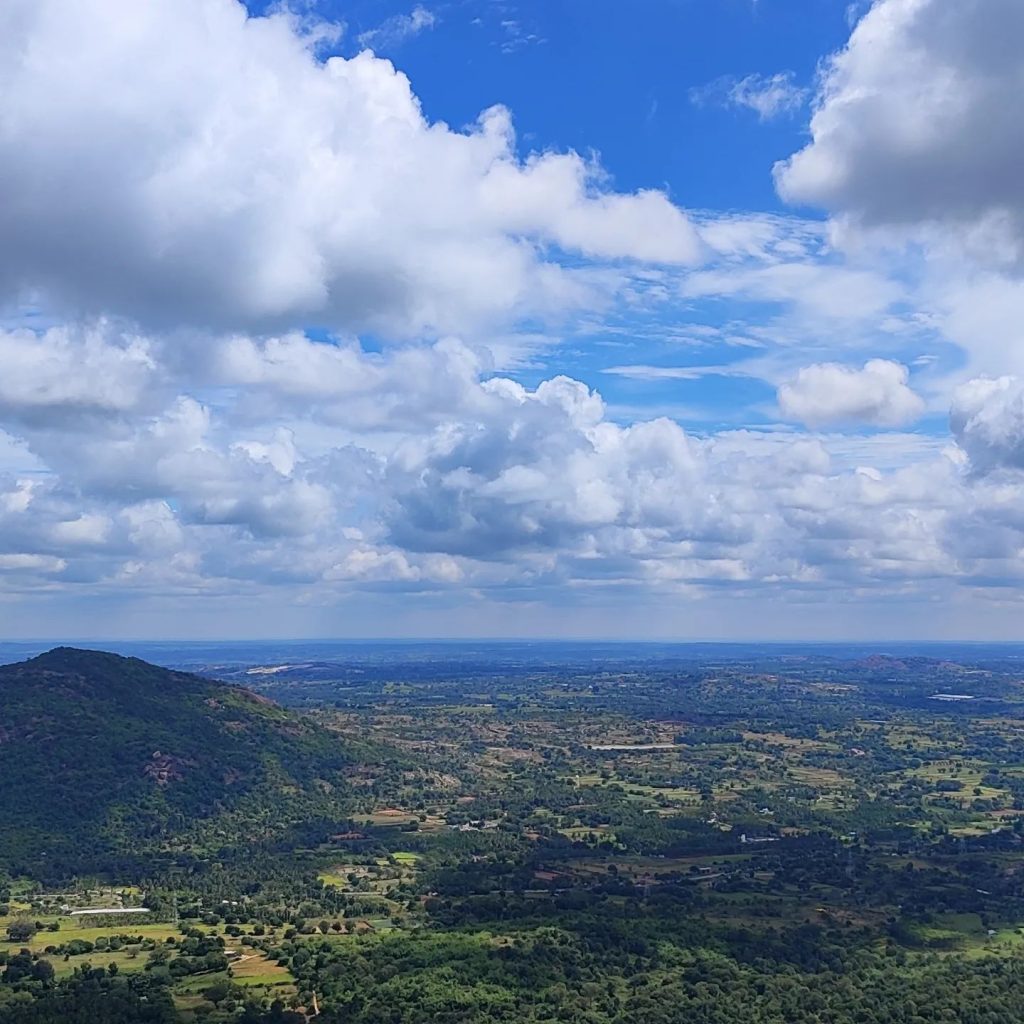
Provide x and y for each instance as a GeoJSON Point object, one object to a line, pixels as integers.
{"type": "Point", "coordinates": [877, 394]}
{"type": "Point", "coordinates": [482, 480]}
{"type": "Point", "coordinates": [338, 383]}
{"type": "Point", "coordinates": [916, 123]}
{"type": "Point", "coordinates": [547, 484]}
{"type": "Point", "coordinates": [14, 563]}
{"type": "Point", "coordinates": [73, 371]}
{"type": "Point", "coordinates": [204, 167]}
{"type": "Point", "coordinates": [987, 419]}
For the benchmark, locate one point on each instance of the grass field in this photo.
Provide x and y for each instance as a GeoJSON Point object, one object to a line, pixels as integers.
{"type": "Point", "coordinates": [254, 970]}
{"type": "Point", "coordinates": [395, 817]}
{"type": "Point", "coordinates": [128, 961]}
{"type": "Point", "coordinates": [42, 939]}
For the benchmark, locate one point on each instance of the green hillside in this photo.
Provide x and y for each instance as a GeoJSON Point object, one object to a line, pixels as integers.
{"type": "Point", "coordinates": [103, 756]}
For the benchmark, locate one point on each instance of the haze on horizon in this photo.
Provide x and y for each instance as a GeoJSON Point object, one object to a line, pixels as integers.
{"type": "Point", "coordinates": [489, 319]}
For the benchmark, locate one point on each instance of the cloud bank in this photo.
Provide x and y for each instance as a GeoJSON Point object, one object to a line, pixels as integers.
{"type": "Point", "coordinates": [263, 317]}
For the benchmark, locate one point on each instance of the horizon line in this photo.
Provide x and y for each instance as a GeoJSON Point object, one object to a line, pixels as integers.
{"type": "Point", "coordinates": [71, 641]}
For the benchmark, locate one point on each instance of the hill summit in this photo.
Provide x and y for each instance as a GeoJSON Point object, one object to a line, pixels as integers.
{"type": "Point", "coordinates": [104, 756]}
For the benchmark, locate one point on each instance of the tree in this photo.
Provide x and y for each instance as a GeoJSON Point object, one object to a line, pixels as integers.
{"type": "Point", "coordinates": [217, 992]}
{"type": "Point", "coordinates": [21, 930]}
{"type": "Point", "coordinates": [42, 970]}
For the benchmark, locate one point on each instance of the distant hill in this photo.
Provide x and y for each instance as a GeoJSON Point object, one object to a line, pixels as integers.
{"type": "Point", "coordinates": [103, 757]}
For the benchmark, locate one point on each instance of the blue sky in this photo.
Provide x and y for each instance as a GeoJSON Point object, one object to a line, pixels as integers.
{"type": "Point", "coordinates": [645, 93]}
{"type": "Point", "coordinates": [600, 76]}
{"type": "Point", "coordinates": [691, 319]}
{"type": "Point", "coordinates": [647, 96]}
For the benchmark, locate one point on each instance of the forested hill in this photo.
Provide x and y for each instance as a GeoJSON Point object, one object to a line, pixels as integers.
{"type": "Point", "coordinates": [103, 756]}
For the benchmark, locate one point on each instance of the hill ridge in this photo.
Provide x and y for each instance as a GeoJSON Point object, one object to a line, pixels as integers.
{"type": "Point", "coordinates": [105, 754]}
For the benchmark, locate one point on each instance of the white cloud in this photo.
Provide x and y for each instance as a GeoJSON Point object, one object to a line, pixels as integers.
{"type": "Point", "coordinates": [769, 96]}
{"type": "Point", "coordinates": [644, 372]}
{"type": "Point", "coordinates": [834, 291]}
{"type": "Point", "coordinates": [179, 162]}
{"type": "Point", "coordinates": [397, 29]}
{"type": "Point", "coordinates": [914, 152]}
{"type": "Point", "coordinates": [987, 420]}
{"type": "Point", "coordinates": [876, 394]}
{"type": "Point", "coordinates": [89, 370]}
{"type": "Point", "coordinates": [916, 124]}
{"type": "Point", "coordinates": [33, 564]}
